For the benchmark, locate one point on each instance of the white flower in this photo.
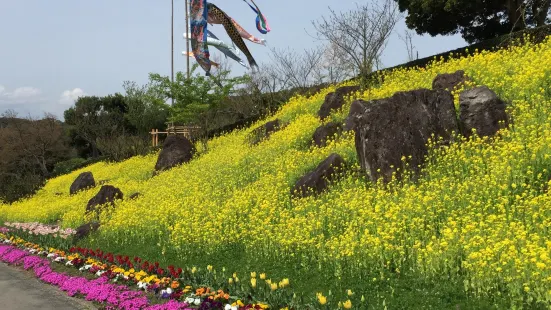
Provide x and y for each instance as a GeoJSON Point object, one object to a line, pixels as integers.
{"type": "Point", "coordinates": [169, 291]}
{"type": "Point", "coordinates": [142, 285]}
{"type": "Point", "coordinates": [227, 307]}
{"type": "Point", "coordinates": [50, 255]}
{"type": "Point", "coordinates": [59, 259]}
{"type": "Point", "coordinates": [69, 263]}
{"type": "Point", "coordinates": [197, 301]}
{"type": "Point", "coordinates": [189, 300]}
{"type": "Point", "coordinates": [99, 273]}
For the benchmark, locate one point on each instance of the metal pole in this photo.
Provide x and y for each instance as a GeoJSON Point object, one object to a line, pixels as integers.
{"type": "Point", "coordinates": [187, 37]}
{"type": "Point", "coordinates": [172, 46]}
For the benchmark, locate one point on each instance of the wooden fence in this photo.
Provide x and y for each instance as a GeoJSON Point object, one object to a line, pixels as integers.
{"type": "Point", "coordinates": [187, 131]}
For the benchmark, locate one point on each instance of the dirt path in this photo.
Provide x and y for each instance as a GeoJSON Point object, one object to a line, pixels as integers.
{"type": "Point", "coordinates": [20, 290]}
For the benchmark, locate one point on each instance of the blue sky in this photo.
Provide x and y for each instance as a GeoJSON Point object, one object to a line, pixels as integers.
{"type": "Point", "coordinates": [51, 52]}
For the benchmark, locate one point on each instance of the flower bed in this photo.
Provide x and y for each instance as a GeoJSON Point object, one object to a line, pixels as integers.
{"type": "Point", "coordinates": [124, 283]}
{"type": "Point", "coordinates": [36, 228]}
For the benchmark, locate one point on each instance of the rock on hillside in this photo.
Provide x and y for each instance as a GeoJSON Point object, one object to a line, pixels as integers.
{"type": "Point", "coordinates": [388, 129]}
{"type": "Point", "coordinates": [176, 150]}
{"type": "Point", "coordinates": [84, 230]}
{"type": "Point", "coordinates": [325, 133]}
{"type": "Point", "coordinates": [481, 109]}
{"type": "Point", "coordinates": [263, 132]}
{"type": "Point", "coordinates": [449, 81]}
{"type": "Point", "coordinates": [106, 195]}
{"type": "Point", "coordinates": [316, 181]}
{"type": "Point", "coordinates": [83, 181]}
{"type": "Point", "coordinates": [334, 101]}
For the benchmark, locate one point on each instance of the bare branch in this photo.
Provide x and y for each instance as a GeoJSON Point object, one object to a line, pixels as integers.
{"type": "Point", "coordinates": [361, 34]}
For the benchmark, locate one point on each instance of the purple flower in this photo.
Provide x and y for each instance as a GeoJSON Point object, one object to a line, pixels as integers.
{"type": "Point", "coordinates": [99, 290]}
{"type": "Point", "coordinates": [32, 261]}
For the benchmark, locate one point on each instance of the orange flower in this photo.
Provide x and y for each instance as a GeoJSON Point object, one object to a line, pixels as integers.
{"type": "Point", "coordinates": [200, 291]}
{"type": "Point", "coordinates": [175, 284]}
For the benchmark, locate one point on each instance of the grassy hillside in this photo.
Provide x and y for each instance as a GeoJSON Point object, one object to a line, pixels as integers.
{"type": "Point", "coordinates": [474, 230]}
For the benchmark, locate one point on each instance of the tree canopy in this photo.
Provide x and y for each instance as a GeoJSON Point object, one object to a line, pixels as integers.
{"type": "Point", "coordinates": [476, 20]}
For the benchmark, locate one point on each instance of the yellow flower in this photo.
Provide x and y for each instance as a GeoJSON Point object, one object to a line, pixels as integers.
{"type": "Point", "coordinates": [321, 299]}
{"type": "Point", "coordinates": [262, 276]}
{"type": "Point", "coordinates": [347, 304]}
{"type": "Point", "coordinates": [253, 282]}
{"type": "Point", "coordinates": [273, 286]}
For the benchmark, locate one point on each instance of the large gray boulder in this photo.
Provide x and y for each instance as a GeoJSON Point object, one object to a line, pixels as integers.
{"type": "Point", "coordinates": [335, 101]}
{"type": "Point", "coordinates": [388, 129]}
{"type": "Point", "coordinates": [481, 109]}
{"type": "Point", "coordinates": [106, 195]}
{"type": "Point", "coordinates": [316, 181]}
{"type": "Point", "coordinates": [449, 81]}
{"type": "Point", "coordinates": [84, 181]}
{"type": "Point", "coordinates": [325, 133]}
{"type": "Point", "coordinates": [176, 151]}
{"type": "Point", "coordinates": [263, 132]}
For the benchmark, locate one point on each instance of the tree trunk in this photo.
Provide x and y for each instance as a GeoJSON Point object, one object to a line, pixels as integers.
{"type": "Point", "coordinates": [95, 151]}
{"type": "Point", "coordinates": [41, 161]}
{"type": "Point", "coordinates": [515, 11]}
{"type": "Point", "coordinates": [540, 9]}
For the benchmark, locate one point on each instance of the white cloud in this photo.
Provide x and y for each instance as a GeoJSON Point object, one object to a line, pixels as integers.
{"type": "Point", "coordinates": [26, 92]}
{"type": "Point", "coordinates": [70, 96]}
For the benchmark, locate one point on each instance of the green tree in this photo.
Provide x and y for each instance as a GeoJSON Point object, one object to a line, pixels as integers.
{"type": "Point", "coordinates": [197, 100]}
{"type": "Point", "coordinates": [147, 108]}
{"type": "Point", "coordinates": [476, 20]}
{"type": "Point", "coordinates": [94, 117]}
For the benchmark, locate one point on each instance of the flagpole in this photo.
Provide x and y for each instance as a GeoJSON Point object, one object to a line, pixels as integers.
{"type": "Point", "coordinates": [187, 37]}
{"type": "Point", "coordinates": [172, 46]}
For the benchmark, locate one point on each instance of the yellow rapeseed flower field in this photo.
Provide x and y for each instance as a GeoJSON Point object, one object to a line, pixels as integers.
{"type": "Point", "coordinates": [482, 209]}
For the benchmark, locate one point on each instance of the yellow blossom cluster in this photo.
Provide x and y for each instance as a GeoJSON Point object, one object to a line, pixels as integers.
{"type": "Point", "coordinates": [480, 212]}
